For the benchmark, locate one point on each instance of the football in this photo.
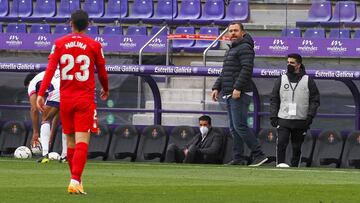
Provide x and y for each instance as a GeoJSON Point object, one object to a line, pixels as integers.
{"type": "Point", "coordinates": [54, 156]}
{"type": "Point", "coordinates": [22, 153]}
{"type": "Point", "coordinates": [282, 165]}
{"type": "Point", "coordinates": [36, 149]}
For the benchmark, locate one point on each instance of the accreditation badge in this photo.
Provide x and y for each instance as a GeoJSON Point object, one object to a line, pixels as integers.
{"type": "Point", "coordinates": [292, 109]}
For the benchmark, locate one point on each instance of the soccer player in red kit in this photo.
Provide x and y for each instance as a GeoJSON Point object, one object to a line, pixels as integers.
{"type": "Point", "coordinates": [77, 55]}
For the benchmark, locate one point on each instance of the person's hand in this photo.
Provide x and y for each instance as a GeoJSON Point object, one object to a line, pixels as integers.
{"type": "Point", "coordinates": [215, 95]}
{"type": "Point", "coordinates": [309, 120]}
{"type": "Point", "coordinates": [186, 151]}
{"type": "Point", "coordinates": [40, 103]}
{"type": "Point", "coordinates": [236, 94]}
{"type": "Point", "coordinates": [35, 139]}
{"type": "Point", "coordinates": [274, 122]}
{"type": "Point", "coordinates": [104, 95]}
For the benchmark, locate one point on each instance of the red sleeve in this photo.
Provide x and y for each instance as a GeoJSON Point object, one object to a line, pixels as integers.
{"type": "Point", "coordinates": [101, 70]}
{"type": "Point", "coordinates": [50, 70]}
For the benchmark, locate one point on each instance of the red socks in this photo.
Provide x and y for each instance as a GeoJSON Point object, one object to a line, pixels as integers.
{"type": "Point", "coordinates": [69, 156]}
{"type": "Point", "coordinates": [78, 161]}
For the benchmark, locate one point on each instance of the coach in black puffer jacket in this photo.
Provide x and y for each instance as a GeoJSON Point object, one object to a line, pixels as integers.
{"type": "Point", "coordinates": [236, 87]}
{"type": "Point", "coordinates": [238, 67]}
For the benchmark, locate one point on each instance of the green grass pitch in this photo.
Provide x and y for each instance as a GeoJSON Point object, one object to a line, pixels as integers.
{"type": "Point", "coordinates": [27, 181]}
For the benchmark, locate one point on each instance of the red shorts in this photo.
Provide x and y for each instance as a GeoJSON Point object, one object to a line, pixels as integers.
{"type": "Point", "coordinates": [78, 116]}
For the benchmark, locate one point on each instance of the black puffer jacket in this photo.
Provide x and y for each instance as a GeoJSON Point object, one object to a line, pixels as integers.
{"type": "Point", "coordinates": [237, 68]}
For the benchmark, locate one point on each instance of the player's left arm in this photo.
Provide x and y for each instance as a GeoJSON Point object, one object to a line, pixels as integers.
{"type": "Point", "coordinates": [34, 115]}
{"type": "Point", "coordinates": [102, 74]}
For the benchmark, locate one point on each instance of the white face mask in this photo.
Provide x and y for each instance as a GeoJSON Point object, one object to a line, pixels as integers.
{"type": "Point", "coordinates": [204, 130]}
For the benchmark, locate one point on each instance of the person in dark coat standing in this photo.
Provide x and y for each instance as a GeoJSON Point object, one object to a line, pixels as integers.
{"type": "Point", "coordinates": [206, 147]}
{"type": "Point", "coordinates": [235, 85]}
{"type": "Point", "coordinates": [294, 101]}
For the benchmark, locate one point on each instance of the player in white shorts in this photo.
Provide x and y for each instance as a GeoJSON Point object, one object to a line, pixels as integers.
{"type": "Point", "coordinates": [50, 115]}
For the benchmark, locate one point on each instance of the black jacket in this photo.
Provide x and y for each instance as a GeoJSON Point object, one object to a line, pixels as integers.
{"type": "Point", "coordinates": [237, 68]}
{"type": "Point", "coordinates": [314, 101]}
{"type": "Point", "coordinates": [213, 144]}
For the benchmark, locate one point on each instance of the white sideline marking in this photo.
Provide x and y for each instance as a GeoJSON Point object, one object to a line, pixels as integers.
{"type": "Point", "coordinates": [328, 170]}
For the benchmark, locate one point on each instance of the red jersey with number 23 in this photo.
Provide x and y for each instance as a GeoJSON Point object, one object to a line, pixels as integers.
{"type": "Point", "coordinates": [77, 55]}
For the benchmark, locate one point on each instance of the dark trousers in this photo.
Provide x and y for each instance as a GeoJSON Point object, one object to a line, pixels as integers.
{"type": "Point", "coordinates": [237, 110]}
{"type": "Point", "coordinates": [174, 154]}
{"type": "Point", "coordinates": [297, 138]}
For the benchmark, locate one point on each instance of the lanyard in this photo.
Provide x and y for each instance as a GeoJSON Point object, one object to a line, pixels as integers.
{"type": "Point", "coordinates": [293, 88]}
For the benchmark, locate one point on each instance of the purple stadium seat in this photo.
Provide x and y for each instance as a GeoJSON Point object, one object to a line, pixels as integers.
{"type": "Point", "coordinates": [113, 30]}
{"type": "Point", "coordinates": [19, 9]}
{"type": "Point", "coordinates": [166, 11]}
{"type": "Point", "coordinates": [213, 10]}
{"type": "Point", "coordinates": [345, 11]}
{"type": "Point", "coordinates": [291, 32]}
{"type": "Point", "coordinates": [156, 29]}
{"type": "Point", "coordinates": [327, 151]}
{"type": "Point", "coordinates": [237, 10]}
{"type": "Point", "coordinates": [40, 28]}
{"type": "Point", "coordinates": [92, 30]}
{"type": "Point", "coordinates": [356, 22]}
{"type": "Point", "coordinates": [116, 9]}
{"type": "Point", "coordinates": [62, 29]}
{"type": "Point", "coordinates": [357, 34]}
{"type": "Point", "coordinates": [314, 33]}
{"type": "Point", "coordinates": [142, 9]}
{"type": "Point", "coordinates": [95, 8]}
{"type": "Point", "coordinates": [177, 45]}
{"type": "Point", "coordinates": [136, 30]}
{"type": "Point", "coordinates": [190, 9]}
{"type": "Point", "coordinates": [43, 9]}
{"type": "Point", "coordinates": [340, 33]}
{"type": "Point", "coordinates": [318, 12]}
{"type": "Point", "coordinates": [201, 45]}
{"type": "Point", "coordinates": [16, 28]}
{"type": "Point", "coordinates": [66, 7]}
{"type": "Point", "coordinates": [4, 8]}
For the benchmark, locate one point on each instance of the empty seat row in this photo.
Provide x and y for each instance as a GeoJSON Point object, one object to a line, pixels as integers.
{"type": "Point", "coordinates": [191, 11]}
{"type": "Point", "coordinates": [192, 45]}
{"type": "Point", "coordinates": [321, 13]}
{"type": "Point", "coordinates": [123, 143]}
{"type": "Point", "coordinates": [92, 29]}
{"type": "Point", "coordinates": [320, 33]}
{"type": "Point", "coordinates": [177, 45]}
{"type": "Point", "coordinates": [329, 149]}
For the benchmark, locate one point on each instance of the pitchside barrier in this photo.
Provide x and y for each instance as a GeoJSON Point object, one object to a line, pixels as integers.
{"type": "Point", "coordinates": [146, 71]}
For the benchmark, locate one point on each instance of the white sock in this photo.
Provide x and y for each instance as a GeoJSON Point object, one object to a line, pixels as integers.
{"type": "Point", "coordinates": [74, 182]}
{"type": "Point", "coordinates": [45, 137]}
{"type": "Point", "coordinates": [64, 146]}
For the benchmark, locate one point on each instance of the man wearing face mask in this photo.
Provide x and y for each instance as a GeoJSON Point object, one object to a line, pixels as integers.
{"type": "Point", "coordinates": [294, 102]}
{"type": "Point", "coordinates": [206, 147]}
{"type": "Point", "coordinates": [235, 84]}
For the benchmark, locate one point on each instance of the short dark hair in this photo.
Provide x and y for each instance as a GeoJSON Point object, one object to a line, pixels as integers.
{"type": "Point", "coordinates": [205, 118]}
{"type": "Point", "coordinates": [80, 19]}
{"type": "Point", "coordinates": [238, 23]}
{"type": "Point", "coordinates": [295, 56]}
{"type": "Point", "coordinates": [28, 78]}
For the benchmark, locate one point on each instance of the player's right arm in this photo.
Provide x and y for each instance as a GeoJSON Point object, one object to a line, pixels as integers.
{"type": "Point", "coordinates": [53, 62]}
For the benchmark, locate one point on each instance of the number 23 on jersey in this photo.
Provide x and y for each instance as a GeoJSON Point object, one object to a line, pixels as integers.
{"type": "Point", "coordinates": [69, 62]}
